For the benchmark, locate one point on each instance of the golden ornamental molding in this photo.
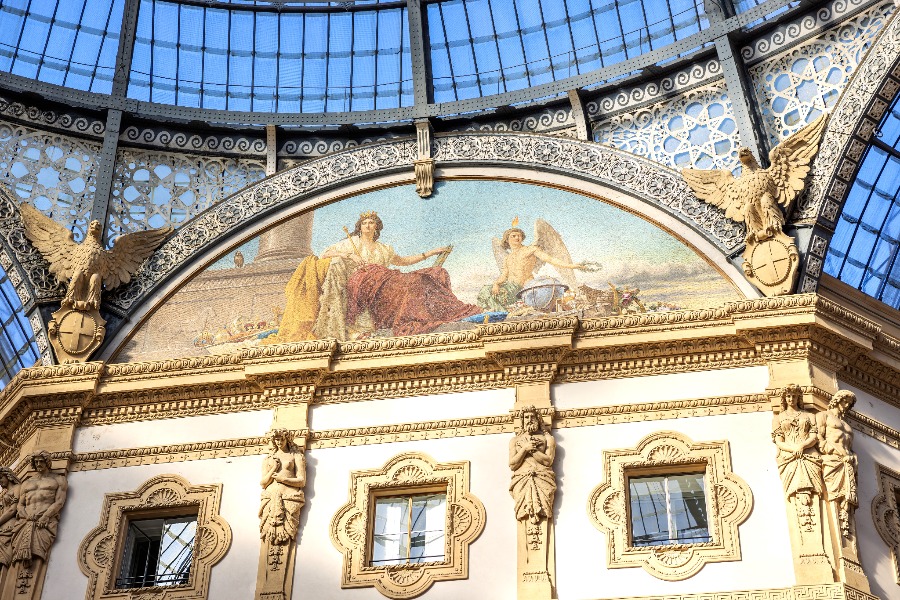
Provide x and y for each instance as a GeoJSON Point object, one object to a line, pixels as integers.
{"type": "Point", "coordinates": [728, 501]}
{"type": "Point", "coordinates": [875, 429]}
{"type": "Point", "coordinates": [654, 411]}
{"type": "Point", "coordinates": [886, 513]}
{"type": "Point", "coordinates": [152, 455]}
{"type": "Point", "coordinates": [351, 526]}
{"type": "Point", "coordinates": [100, 552]}
{"type": "Point", "coordinates": [146, 405]}
{"type": "Point", "coordinates": [383, 434]}
{"type": "Point", "coordinates": [821, 591]}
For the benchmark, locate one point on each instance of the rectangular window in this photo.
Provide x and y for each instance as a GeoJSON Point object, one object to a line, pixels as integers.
{"type": "Point", "coordinates": [158, 552]}
{"type": "Point", "coordinates": [409, 529]}
{"type": "Point", "coordinates": [668, 509]}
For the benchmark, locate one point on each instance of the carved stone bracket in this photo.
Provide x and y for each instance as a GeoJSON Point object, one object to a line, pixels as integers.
{"type": "Point", "coordinates": [729, 501]}
{"type": "Point", "coordinates": [424, 163]}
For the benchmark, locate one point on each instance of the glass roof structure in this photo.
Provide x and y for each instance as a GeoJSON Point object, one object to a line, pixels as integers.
{"type": "Point", "coordinates": [326, 57]}
{"type": "Point", "coordinates": [17, 345]}
{"type": "Point", "coordinates": [866, 242]}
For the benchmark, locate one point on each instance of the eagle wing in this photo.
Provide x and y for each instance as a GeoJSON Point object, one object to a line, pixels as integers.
{"type": "Point", "coordinates": [790, 161]}
{"type": "Point", "coordinates": [129, 251]}
{"type": "Point", "coordinates": [548, 239]}
{"type": "Point", "coordinates": [55, 243]}
{"type": "Point", "coordinates": [717, 187]}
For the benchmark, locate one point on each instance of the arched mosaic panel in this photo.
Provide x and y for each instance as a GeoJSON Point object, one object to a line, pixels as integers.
{"type": "Point", "coordinates": [155, 189]}
{"type": "Point", "coordinates": [797, 86]}
{"type": "Point", "coordinates": [434, 267]}
{"type": "Point", "coordinates": [694, 129]}
{"type": "Point", "coordinates": [55, 173]}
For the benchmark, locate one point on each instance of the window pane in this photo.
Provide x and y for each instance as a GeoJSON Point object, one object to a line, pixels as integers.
{"type": "Point", "coordinates": [687, 502]}
{"type": "Point", "coordinates": [158, 552]}
{"type": "Point", "coordinates": [402, 537]}
{"type": "Point", "coordinates": [668, 509]}
{"type": "Point", "coordinates": [649, 519]}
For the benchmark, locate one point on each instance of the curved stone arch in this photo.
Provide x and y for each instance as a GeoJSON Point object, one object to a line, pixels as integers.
{"type": "Point", "coordinates": [854, 120]}
{"type": "Point", "coordinates": [637, 185]}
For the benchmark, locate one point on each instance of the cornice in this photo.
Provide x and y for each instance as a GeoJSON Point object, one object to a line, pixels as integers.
{"type": "Point", "coordinates": [860, 346]}
{"type": "Point", "coordinates": [875, 429]}
{"type": "Point", "coordinates": [423, 430]}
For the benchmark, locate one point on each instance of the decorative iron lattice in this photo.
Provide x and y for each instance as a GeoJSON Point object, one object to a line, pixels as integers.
{"type": "Point", "coordinates": [696, 129]}
{"type": "Point", "coordinates": [794, 88]}
{"type": "Point", "coordinates": [53, 172]}
{"type": "Point", "coordinates": [155, 189]}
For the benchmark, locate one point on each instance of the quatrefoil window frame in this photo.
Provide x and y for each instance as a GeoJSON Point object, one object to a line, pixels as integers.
{"type": "Point", "coordinates": [728, 499]}
{"type": "Point", "coordinates": [100, 553]}
{"type": "Point", "coordinates": [409, 473]}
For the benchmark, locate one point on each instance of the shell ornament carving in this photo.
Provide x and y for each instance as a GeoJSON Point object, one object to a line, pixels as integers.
{"type": "Point", "coordinates": [614, 507]}
{"type": "Point", "coordinates": [103, 551]}
{"type": "Point", "coordinates": [664, 453]}
{"type": "Point", "coordinates": [409, 473]}
{"type": "Point", "coordinates": [460, 519]}
{"type": "Point", "coordinates": [162, 497]}
{"type": "Point", "coordinates": [355, 530]}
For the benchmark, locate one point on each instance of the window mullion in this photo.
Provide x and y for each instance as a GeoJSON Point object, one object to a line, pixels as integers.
{"type": "Point", "coordinates": [670, 517]}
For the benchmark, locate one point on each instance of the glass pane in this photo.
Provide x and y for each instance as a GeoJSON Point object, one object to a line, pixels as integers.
{"type": "Point", "coordinates": [428, 528]}
{"type": "Point", "coordinates": [687, 502]}
{"type": "Point", "coordinates": [391, 532]}
{"type": "Point", "coordinates": [176, 551]}
{"type": "Point", "coordinates": [402, 537]}
{"type": "Point", "coordinates": [649, 519]}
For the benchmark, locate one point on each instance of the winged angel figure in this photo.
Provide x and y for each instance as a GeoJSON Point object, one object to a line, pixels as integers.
{"type": "Point", "coordinates": [761, 197]}
{"type": "Point", "coordinates": [519, 262]}
{"type": "Point", "coordinates": [88, 265]}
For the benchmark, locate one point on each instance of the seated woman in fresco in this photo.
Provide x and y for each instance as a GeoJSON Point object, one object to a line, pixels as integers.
{"type": "Point", "coordinates": [350, 292]}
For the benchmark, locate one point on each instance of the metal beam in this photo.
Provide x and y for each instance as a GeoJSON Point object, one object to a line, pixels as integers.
{"type": "Point", "coordinates": [610, 77]}
{"type": "Point", "coordinates": [105, 170]}
{"type": "Point", "coordinates": [126, 48]}
{"type": "Point", "coordinates": [423, 92]}
{"type": "Point", "coordinates": [746, 118]}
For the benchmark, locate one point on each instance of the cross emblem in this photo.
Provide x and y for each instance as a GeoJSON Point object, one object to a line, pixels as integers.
{"type": "Point", "coordinates": [771, 263]}
{"type": "Point", "coordinates": [75, 326]}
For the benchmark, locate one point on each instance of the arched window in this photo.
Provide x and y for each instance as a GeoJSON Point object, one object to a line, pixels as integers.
{"type": "Point", "coordinates": [17, 346]}
{"type": "Point", "coordinates": [864, 248]}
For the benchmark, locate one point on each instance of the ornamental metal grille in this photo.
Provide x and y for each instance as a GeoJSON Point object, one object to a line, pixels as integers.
{"type": "Point", "coordinates": [17, 345]}
{"type": "Point", "coordinates": [696, 129]}
{"type": "Point", "coordinates": [797, 86]}
{"type": "Point", "coordinates": [66, 42]}
{"type": "Point", "coordinates": [55, 173]}
{"type": "Point", "coordinates": [864, 248]}
{"type": "Point", "coordinates": [155, 189]}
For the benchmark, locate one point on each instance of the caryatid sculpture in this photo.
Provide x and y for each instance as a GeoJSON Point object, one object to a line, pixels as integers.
{"type": "Point", "coordinates": [761, 198]}
{"type": "Point", "coordinates": [77, 329]}
{"type": "Point", "coordinates": [9, 504]}
{"type": "Point", "coordinates": [41, 498]}
{"type": "Point", "coordinates": [284, 476]}
{"type": "Point", "coordinates": [838, 459]}
{"type": "Point", "coordinates": [533, 487]}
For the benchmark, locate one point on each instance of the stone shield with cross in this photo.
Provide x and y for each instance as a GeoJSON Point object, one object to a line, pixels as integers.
{"type": "Point", "coordinates": [75, 334]}
{"type": "Point", "coordinates": [771, 264]}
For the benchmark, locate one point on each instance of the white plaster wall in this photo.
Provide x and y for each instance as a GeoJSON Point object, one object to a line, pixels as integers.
{"type": "Point", "coordinates": [407, 410]}
{"type": "Point", "coordinates": [581, 548]}
{"type": "Point", "coordinates": [234, 577]}
{"type": "Point", "coordinates": [874, 553]}
{"type": "Point", "coordinates": [681, 386]}
{"type": "Point", "coordinates": [182, 430]}
{"type": "Point", "coordinates": [492, 558]}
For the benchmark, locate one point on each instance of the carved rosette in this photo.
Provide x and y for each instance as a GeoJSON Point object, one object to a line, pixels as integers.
{"type": "Point", "coordinates": [350, 529]}
{"type": "Point", "coordinates": [728, 501]}
{"type": "Point", "coordinates": [98, 550]}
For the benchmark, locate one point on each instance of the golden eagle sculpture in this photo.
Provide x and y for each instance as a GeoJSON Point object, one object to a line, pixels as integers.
{"type": "Point", "coordinates": [761, 197]}
{"type": "Point", "coordinates": [88, 265]}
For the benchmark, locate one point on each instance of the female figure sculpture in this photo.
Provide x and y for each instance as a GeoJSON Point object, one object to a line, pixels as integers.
{"type": "Point", "coordinates": [284, 475]}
